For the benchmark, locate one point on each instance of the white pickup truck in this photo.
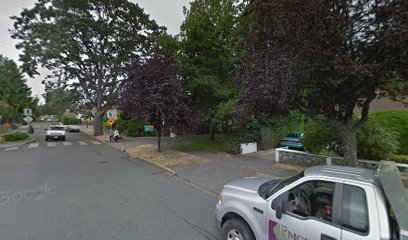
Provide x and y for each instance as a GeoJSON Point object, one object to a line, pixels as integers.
{"type": "Point", "coordinates": [321, 203]}
{"type": "Point", "coordinates": [56, 132]}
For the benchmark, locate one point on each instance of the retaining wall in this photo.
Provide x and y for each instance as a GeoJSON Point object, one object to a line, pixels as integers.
{"type": "Point", "coordinates": [284, 155]}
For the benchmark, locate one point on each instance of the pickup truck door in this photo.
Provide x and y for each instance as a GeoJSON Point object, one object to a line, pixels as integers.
{"type": "Point", "coordinates": [359, 218]}
{"type": "Point", "coordinates": [305, 212]}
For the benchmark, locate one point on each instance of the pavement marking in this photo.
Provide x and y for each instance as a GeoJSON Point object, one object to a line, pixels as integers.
{"type": "Point", "coordinates": [82, 143]}
{"type": "Point", "coordinates": [10, 149]}
{"type": "Point", "coordinates": [95, 142]}
{"type": "Point", "coordinates": [67, 143]}
{"type": "Point", "coordinates": [33, 145]}
{"type": "Point", "coordinates": [52, 144]}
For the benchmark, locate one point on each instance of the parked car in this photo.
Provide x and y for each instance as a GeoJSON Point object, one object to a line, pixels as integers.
{"type": "Point", "coordinates": [55, 132]}
{"type": "Point", "coordinates": [323, 202]}
{"type": "Point", "coordinates": [293, 141]}
{"type": "Point", "coordinates": [73, 128]}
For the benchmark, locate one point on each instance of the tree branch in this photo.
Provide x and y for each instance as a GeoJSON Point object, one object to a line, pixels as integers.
{"type": "Point", "coordinates": [364, 111]}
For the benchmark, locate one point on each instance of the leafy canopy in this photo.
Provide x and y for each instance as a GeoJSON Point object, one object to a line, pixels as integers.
{"type": "Point", "coordinates": [208, 38]}
{"type": "Point", "coordinates": [86, 44]}
{"type": "Point", "coordinates": [15, 95]}
{"type": "Point", "coordinates": [322, 57]}
{"type": "Point", "coordinates": [155, 92]}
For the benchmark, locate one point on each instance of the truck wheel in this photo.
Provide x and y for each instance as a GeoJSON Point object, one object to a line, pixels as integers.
{"type": "Point", "coordinates": [237, 229]}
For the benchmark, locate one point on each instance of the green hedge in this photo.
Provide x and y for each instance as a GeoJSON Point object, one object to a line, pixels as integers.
{"type": "Point", "coordinates": [122, 125]}
{"type": "Point", "coordinates": [375, 141]}
{"type": "Point", "coordinates": [399, 158]}
{"type": "Point", "coordinates": [397, 121]}
{"type": "Point", "coordinates": [130, 128]}
{"type": "Point", "coordinates": [318, 136]}
{"type": "Point", "coordinates": [271, 134]}
{"type": "Point", "coordinates": [15, 137]}
{"type": "Point", "coordinates": [134, 128]}
{"type": "Point", "coordinates": [71, 121]}
{"type": "Point", "coordinates": [265, 132]}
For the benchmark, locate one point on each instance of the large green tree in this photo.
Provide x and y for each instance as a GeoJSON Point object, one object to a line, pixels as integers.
{"type": "Point", "coordinates": [14, 92]}
{"type": "Point", "coordinates": [86, 44]}
{"type": "Point", "coordinates": [207, 41]}
{"type": "Point", "coordinates": [57, 101]}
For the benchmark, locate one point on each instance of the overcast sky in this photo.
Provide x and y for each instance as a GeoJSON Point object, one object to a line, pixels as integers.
{"type": "Point", "coordinates": [167, 13]}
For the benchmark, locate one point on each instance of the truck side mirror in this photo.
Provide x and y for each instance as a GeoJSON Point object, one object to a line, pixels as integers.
{"type": "Point", "coordinates": [278, 211]}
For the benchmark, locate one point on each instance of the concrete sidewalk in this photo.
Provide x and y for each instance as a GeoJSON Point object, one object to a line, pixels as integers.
{"type": "Point", "coordinates": [224, 168]}
{"type": "Point", "coordinates": [221, 168]}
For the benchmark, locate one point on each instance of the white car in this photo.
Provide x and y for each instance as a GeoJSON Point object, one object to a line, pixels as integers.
{"type": "Point", "coordinates": [56, 132]}
{"type": "Point", "coordinates": [73, 128]}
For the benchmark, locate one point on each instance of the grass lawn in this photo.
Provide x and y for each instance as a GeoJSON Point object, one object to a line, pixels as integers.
{"type": "Point", "coordinates": [212, 146]}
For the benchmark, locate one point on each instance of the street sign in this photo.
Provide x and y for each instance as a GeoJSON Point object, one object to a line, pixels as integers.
{"type": "Point", "coordinates": [28, 111]}
{"type": "Point", "coordinates": [148, 128]}
{"type": "Point", "coordinates": [112, 113]}
{"type": "Point", "coordinates": [111, 122]}
{"type": "Point", "coordinates": [28, 119]}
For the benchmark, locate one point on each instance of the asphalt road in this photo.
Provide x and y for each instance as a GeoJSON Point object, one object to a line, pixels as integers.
{"type": "Point", "coordinates": [91, 191]}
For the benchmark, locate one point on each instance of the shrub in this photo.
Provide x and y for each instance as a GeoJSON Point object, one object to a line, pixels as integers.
{"type": "Point", "coordinates": [3, 129]}
{"type": "Point", "coordinates": [280, 128]}
{"type": "Point", "coordinates": [15, 137]}
{"type": "Point", "coordinates": [232, 144]}
{"type": "Point", "coordinates": [135, 128]}
{"type": "Point", "coordinates": [265, 132]}
{"type": "Point", "coordinates": [243, 133]}
{"type": "Point", "coordinates": [375, 141]}
{"type": "Point", "coordinates": [122, 126]}
{"type": "Point", "coordinates": [71, 121]}
{"type": "Point", "coordinates": [2, 140]}
{"type": "Point", "coordinates": [318, 136]}
{"type": "Point", "coordinates": [68, 115]}
{"type": "Point", "coordinates": [397, 121]}
{"type": "Point", "coordinates": [399, 158]}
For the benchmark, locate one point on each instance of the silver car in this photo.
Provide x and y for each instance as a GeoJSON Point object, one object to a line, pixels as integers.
{"type": "Point", "coordinates": [321, 203]}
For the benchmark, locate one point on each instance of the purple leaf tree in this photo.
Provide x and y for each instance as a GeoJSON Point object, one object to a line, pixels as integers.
{"type": "Point", "coordinates": [155, 92]}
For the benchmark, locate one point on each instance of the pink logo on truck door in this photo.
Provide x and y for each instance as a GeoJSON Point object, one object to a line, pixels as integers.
{"type": "Point", "coordinates": [279, 232]}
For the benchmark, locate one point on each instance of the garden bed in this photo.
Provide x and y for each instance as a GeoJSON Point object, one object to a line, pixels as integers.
{"type": "Point", "coordinates": [168, 158]}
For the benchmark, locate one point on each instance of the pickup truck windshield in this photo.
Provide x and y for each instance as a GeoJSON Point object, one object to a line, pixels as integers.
{"type": "Point", "coordinates": [284, 183]}
{"type": "Point", "coordinates": [57, 128]}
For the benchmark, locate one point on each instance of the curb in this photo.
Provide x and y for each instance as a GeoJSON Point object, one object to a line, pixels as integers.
{"type": "Point", "coordinates": [171, 171]}
{"type": "Point", "coordinates": [154, 163]}
{"type": "Point", "coordinates": [18, 144]}
{"type": "Point", "coordinates": [31, 141]}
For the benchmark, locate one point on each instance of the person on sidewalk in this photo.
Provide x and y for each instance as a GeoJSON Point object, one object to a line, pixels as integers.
{"type": "Point", "coordinates": [116, 136]}
{"type": "Point", "coordinates": [172, 136]}
{"type": "Point", "coordinates": [111, 135]}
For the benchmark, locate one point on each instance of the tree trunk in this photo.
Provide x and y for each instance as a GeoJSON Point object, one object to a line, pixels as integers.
{"type": "Point", "coordinates": [212, 132]}
{"type": "Point", "coordinates": [350, 147]}
{"type": "Point", "coordinates": [159, 137]}
{"type": "Point", "coordinates": [98, 126]}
